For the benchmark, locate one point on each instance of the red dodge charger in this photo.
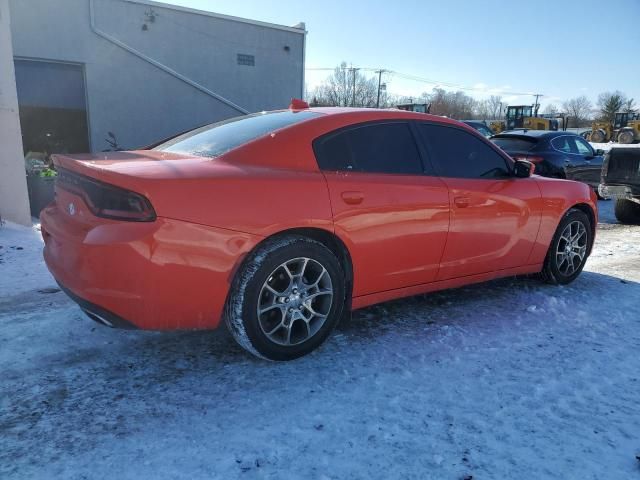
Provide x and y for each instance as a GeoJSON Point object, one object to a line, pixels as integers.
{"type": "Point", "coordinates": [283, 222]}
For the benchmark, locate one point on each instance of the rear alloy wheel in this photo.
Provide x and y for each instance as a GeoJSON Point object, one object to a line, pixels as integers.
{"type": "Point", "coordinates": [294, 301]}
{"type": "Point", "coordinates": [569, 249]}
{"type": "Point", "coordinates": [287, 298]}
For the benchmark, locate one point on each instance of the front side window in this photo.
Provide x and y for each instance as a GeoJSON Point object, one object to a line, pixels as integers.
{"type": "Point", "coordinates": [582, 147]}
{"type": "Point", "coordinates": [459, 154]}
{"type": "Point", "coordinates": [218, 138]}
{"type": "Point", "coordinates": [371, 148]}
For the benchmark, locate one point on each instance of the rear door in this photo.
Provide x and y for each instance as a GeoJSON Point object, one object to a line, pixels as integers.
{"type": "Point", "coordinates": [393, 216]}
{"type": "Point", "coordinates": [494, 216]}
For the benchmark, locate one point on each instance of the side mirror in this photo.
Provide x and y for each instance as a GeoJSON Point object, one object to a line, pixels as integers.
{"type": "Point", "coordinates": [599, 152]}
{"type": "Point", "coordinates": [523, 168]}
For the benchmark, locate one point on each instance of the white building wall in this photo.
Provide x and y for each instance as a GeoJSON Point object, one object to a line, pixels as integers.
{"type": "Point", "coordinates": [14, 199]}
{"type": "Point", "coordinates": [142, 76]}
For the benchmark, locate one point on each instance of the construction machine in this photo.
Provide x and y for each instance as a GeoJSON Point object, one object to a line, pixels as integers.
{"type": "Point", "coordinates": [525, 116]}
{"type": "Point", "coordinates": [497, 126]}
{"type": "Point", "coordinates": [415, 107]}
{"type": "Point", "coordinates": [540, 123]}
{"type": "Point", "coordinates": [624, 129]}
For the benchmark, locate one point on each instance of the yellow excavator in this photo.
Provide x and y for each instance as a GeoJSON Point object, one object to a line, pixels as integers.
{"type": "Point", "coordinates": [624, 129]}
{"type": "Point", "coordinates": [524, 116]}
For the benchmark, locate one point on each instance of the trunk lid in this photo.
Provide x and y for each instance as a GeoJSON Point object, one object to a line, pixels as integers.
{"type": "Point", "coordinates": [137, 163]}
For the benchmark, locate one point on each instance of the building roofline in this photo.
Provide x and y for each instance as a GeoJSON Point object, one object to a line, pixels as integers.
{"type": "Point", "coordinates": [169, 6]}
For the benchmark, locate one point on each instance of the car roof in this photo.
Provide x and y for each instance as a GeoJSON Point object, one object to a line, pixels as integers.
{"type": "Point", "coordinates": [523, 132]}
{"type": "Point", "coordinates": [381, 113]}
{"type": "Point", "coordinates": [361, 114]}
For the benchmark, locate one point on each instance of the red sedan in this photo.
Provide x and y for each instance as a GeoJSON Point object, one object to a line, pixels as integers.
{"type": "Point", "coordinates": [283, 222]}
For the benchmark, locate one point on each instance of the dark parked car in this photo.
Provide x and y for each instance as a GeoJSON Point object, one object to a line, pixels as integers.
{"type": "Point", "coordinates": [555, 154]}
{"type": "Point", "coordinates": [479, 126]}
{"type": "Point", "coordinates": [621, 181]}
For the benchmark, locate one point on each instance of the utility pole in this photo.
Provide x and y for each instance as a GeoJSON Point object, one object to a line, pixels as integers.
{"type": "Point", "coordinates": [536, 105]}
{"type": "Point", "coordinates": [353, 98]}
{"type": "Point", "coordinates": [380, 72]}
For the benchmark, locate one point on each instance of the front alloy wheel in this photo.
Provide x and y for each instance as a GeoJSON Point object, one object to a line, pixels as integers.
{"type": "Point", "coordinates": [569, 248]}
{"type": "Point", "coordinates": [572, 248]}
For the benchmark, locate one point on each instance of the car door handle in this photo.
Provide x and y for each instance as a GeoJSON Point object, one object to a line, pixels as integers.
{"type": "Point", "coordinates": [461, 202]}
{"type": "Point", "coordinates": [352, 198]}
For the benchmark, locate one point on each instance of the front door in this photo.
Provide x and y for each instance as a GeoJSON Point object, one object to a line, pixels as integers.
{"type": "Point", "coordinates": [580, 160]}
{"type": "Point", "coordinates": [494, 216]}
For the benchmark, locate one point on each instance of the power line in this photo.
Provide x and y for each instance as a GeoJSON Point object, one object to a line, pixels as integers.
{"type": "Point", "coordinates": [420, 79]}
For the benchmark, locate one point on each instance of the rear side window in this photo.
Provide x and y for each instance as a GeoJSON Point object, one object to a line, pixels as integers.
{"type": "Point", "coordinates": [459, 154]}
{"type": "Point", "coordinates": [562, 144]}
{"type": "Point", "coordinates": [514, 144]}
{"type": "Point", "coordinates": [374, 148]}
{"type": "Point", "coordinates": [218, 138]}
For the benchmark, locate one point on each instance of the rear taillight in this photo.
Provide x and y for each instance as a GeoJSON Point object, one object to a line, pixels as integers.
{"type": "Point", "coordinates": [105, 200]}
{"type": "Point", "coordinates": [529, 158]}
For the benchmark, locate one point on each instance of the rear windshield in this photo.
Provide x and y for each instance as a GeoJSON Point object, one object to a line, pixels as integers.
{"type": "Point", "coordinates": [218, 138]}
{"type": "Point", "coordinates": [514, 144]}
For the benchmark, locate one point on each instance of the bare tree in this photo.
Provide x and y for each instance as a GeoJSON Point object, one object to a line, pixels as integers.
{"type": "Point", "coordinates": [451, 104]}
{"type": "Point", "coordinates": [578, 109]}
{"type": "Point", "coordinates": [347, 87]}
{"type": "Point", "coordinates": [483, 110]}
{"type": "Point", "coordinates": [495, 106]}
{"type": "Point", "coordinates": [551, 109]}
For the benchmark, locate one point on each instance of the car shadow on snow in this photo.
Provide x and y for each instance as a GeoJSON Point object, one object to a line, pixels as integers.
{"type": "Point", "coordinates": [498, 302]}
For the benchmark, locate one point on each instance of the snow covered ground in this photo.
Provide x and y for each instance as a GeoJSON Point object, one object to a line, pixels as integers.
{"type": "Point", "coordinates": [610, 145]}
{"type": "Point", "coordinates": [510, 379]}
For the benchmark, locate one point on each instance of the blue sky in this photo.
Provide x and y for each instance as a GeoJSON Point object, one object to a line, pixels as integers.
{"type": "Point", "coordinates": [561, 48]}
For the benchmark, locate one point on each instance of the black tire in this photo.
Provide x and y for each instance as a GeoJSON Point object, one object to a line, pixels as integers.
{"type": "Point", "coordinates": [627, 211]}
{"type": "Point", "coordinates": [241, 312]}
{"type": "Point", "coordinates": [598, 136]}
{"type": "Point", "coordinates": [626, 137]}
{"type": "Point", "coordinates": [551, 271]}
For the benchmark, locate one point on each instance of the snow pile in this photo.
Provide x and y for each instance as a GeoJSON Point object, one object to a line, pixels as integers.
{"type": "Point", "coordinates": [608, 146]}
{"type": "Point", "coordinates": [21, 265]}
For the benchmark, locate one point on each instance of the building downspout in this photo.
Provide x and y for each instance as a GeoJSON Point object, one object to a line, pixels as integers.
{"type": "Point", "coordinates": [157, 64]}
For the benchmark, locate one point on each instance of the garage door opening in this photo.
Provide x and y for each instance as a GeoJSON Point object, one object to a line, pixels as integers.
{"type": "Point", "coordinates": [53, 118]}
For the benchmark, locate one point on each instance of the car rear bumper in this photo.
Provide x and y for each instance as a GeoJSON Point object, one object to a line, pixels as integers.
{"type": "Point", "coordinates": [620, 191]}
{"type": "Point", "coordinates": [159, 275]}
{"type": "Point", "coordinates": [97, 313]}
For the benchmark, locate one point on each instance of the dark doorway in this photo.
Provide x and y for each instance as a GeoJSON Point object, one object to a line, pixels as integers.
{"type": "Point", "coordinates": [53, 118]}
